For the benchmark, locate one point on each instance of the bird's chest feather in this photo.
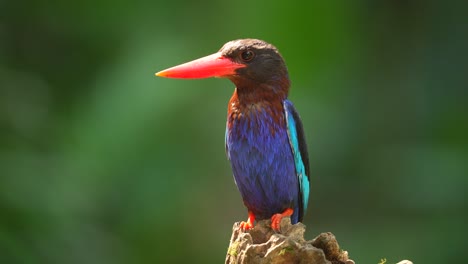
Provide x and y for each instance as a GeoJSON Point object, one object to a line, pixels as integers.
{"type": "Point", "coordinates": [258, 148]}
{"type": "Point", "coordinates": [257, 132]}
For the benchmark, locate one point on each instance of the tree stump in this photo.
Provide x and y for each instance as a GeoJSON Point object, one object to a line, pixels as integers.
{"type": "Point", "coordinates": [262, 245]}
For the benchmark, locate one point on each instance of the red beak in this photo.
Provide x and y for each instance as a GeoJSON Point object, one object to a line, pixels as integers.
{"type": "Point", "coordinates": [214, 65]}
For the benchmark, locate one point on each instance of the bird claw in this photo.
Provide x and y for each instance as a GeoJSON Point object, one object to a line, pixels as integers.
{"type": "Point", "coordinates": [276, 219]}
{"type": "Point", "coordinates": [249, 224]}
{"type": "Point", "coordinates": [246, 225]}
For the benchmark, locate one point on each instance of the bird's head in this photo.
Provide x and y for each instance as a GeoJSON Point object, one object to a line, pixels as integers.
{"type": "Point", "coordinates": [248, 63]}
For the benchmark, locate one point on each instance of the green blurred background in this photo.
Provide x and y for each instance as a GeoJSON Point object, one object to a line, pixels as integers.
{"type": "Point", "coordinates": [102, 162]}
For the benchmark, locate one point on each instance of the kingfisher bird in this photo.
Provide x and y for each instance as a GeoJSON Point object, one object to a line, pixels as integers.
{"type": "Point", "coordinates": [264, 137]}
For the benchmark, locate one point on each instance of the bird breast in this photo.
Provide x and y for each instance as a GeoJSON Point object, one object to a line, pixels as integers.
{"type": "Point", "coordinates": [255, 117]}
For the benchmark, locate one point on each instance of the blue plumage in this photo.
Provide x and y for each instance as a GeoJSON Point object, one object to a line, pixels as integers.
{"type": "Point", "coordinates": [263, 147]}
{"type": "Point", "coordinates": [297, 142]}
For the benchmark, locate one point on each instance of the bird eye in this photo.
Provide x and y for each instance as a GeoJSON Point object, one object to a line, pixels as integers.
{"type": "Point", "coordinates": [247, 55]}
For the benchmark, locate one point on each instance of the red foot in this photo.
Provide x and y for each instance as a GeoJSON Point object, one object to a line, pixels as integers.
{"type": "Point", "coordinates": [249, 224]}
{"type": "Point", "coordinates": [276, 218]}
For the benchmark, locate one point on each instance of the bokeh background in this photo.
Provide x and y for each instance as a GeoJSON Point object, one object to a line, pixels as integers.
{"type": "Point", "coordinates": [102, 162]}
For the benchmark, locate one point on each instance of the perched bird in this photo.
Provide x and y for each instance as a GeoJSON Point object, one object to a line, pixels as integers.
{"type": "Point", "coordinates": [265, 140]}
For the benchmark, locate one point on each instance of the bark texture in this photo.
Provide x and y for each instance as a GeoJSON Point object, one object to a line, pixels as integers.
{"type": "Point", "coordinates": [262, 245]}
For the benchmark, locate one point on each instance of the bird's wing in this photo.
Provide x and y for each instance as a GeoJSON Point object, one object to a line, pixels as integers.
{"type": "Point", "coordinates": [301, 157]}
{"type": "Point", "coordinates": [226, 135]}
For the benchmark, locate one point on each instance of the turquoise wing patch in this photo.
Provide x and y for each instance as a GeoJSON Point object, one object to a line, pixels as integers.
{"type": "Point", "coordinates": [297, 142]}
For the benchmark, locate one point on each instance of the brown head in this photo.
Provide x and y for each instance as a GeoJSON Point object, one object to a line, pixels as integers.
{"type": "Point", "coordinates": [253, 65]}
